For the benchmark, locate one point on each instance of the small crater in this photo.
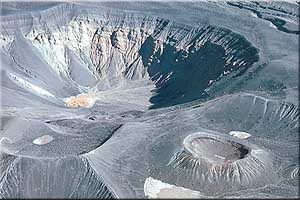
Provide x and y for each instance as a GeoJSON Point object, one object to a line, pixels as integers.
{"type": "Point", "coordinates": [215, 151]}
{"type": "Point", "coordinates": [214, 163]}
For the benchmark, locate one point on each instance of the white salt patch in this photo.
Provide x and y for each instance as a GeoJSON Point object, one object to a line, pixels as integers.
{"type": "Point", "coordinates": [240, 134]}
{"type": "Point", "coordinates": [254, 15]}
{"type": "Point", "coordinates": [45, 139]}
{"type": "Point", "coordinates": [272, 25]}
{"type": "Point", "coordinates": [154, 188]}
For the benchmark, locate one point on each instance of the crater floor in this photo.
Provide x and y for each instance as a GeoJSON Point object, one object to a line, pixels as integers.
{"type": "Point", "coordinates": [148, 100]}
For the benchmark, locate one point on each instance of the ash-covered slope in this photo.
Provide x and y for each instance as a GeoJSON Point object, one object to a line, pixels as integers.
{"type": "Point", "coordinates": [55, 178]}
{"type": "Point", "coordinates": [113, 92]}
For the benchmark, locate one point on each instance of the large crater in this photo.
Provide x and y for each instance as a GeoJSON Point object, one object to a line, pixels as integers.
{"type": "Point", "coordinates": [102, 53]}
{"type": "Point", "coordinates": [182, 61]}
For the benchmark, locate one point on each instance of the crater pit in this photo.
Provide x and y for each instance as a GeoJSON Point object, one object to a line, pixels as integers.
{"type": "Point", "coordinates": [216, 151]}
{"type": "Point", "coordinates": [183, 62]}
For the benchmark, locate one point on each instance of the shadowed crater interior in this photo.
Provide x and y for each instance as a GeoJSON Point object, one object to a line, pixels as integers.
{"type": "Point", "coordinates": [216, 151]}
{"type": "Point", "coordinates": [182, 74]}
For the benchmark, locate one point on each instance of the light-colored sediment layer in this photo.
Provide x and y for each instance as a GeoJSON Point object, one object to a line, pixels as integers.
{"type": "Point", "coordinates": [27, 85]}
{"type": "Point", "coordinates": [157, 189]}
{"type": "Point", "coordinates": [45, 139]}
{"type": "Point", "coordinates": [240, 134]}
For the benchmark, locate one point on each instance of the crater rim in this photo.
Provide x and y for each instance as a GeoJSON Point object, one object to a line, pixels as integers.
{"type": "Point", "coordinates": [215, 150]}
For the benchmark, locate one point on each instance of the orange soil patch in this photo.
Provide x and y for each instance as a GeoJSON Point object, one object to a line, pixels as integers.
{"type": "Point", "coordinates": [81, 100]}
